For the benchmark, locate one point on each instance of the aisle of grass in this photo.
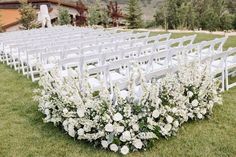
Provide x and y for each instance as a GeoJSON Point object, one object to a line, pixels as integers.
{"type": "Point", "coordinates": [23, 133]}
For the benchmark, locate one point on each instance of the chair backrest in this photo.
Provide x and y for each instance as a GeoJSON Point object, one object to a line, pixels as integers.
{"type": "Point", "coordinates": [217, 45]}
{"type": "Point", "coordinates": [91, 50]}
{"type": "Point", "coordinates": [158, 38]}
{"type": "Point", "coordinates": [141, 35]}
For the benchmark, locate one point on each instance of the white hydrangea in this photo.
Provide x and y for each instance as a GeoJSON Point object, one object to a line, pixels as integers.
{"type": "Point", "coordinates": [135, 127]}
{"type": "Point", "coordinates": [109, 127]}
{"type": "Point", "coordinates": [156, 113]}
{"type": "Point", "coordinates": [80, 132]}
{"type": "Point", "coordinates": [169, 119]}
{"type": "Point", "coordinates": [195, 103]}
{"type": "Point", "coordinates": [80, 112]}
{"type": "Point", "coordinates": [117, 117]}
{"type": "Point", "coordinates": [126, 136]}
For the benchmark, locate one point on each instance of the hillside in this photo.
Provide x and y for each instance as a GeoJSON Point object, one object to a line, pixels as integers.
{"type": "Point", "coordinates": [149, 6]}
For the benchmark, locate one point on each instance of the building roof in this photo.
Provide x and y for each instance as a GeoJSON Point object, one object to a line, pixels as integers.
{"type": "Point", "coordinates": [9, 14]}
{"type": "Point", "coordinates": [8, 4]}
{"type": "Point", "coordinates": [9, 17]}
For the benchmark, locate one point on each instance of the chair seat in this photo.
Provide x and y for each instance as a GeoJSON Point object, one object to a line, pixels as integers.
{"type": "Point", "coordinates": [217, 64]}
{"type": "Point", "coordinates": [48, 67]}
{"type": "Point", "coordinates": [216, 70]}
{"type": "Point", "coordinates": [114, 76]}
{"type": "Point", "coordinates": [231, 59]}
{"type": "Point", "coordinates": [123, 94]}
{"type": "Point", "coordinates": [91, 66]}
{"type": "Point", "coordinates": [72, 55]}
{"type": "Point", "coordinates": [94, 83]}
{"type": "Point", "coordinates": [156, 66]}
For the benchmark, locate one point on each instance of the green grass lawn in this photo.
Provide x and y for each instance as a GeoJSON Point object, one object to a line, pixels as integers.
{"type": "Point", "coordinates": [23, 133]}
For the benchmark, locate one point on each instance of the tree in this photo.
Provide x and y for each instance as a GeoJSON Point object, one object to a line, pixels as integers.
{"type": "Point", "coordinates": [81, 17]}
{"type": "Point", "coordinates": [161, 17]}
{"type": "Point", "coordinates": [114, 12]}
{"type": "Point", "coordinates": [205, 14]}
{"type": "Point", "coordinates": [28, 15]}
{"type": "Point", "coordinates": [226, 21]}
{"type": "Point", "coordinates": [64, 16]}
{"type": "Point", "coordinates": [172, 16]}
{"type": "Point", "coordinates": [191, 16]}
{"type": "Point", "coordinates": [94, 17]}
{"type": "Point", "coordinates": [104, 18]}
{"type": "Point", "coordinates": [182, 14]}
{"type": "Point", "coordinates": [211, 20]}
{"type": "Point", "coordinates": [134, 14]}
{"type": "Point", "coordinates": [234, 22]}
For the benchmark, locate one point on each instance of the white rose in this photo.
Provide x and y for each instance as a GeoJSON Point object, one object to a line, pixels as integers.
{"type": "Point", "coordinates": [199, 115]}
{"type": "Point", "coordinates": [135, 127]}
{"type": "Point", "coordinates": [71, 130]}
{"type": "Point", "coordinates": [109, 127]}
{"type": "Point", "coordinates": [156, 113]}
{"type": "Point", "coordinates": [203, 111]}
{"type": "Point", "coordinates": [65, 123]}
{"type": "Point", "coordinates": [167, 127]}
{"type": "Point", "coordinates": [104, 144]}
{"type": "Point", "coordinates": [137, 143]}
{"type": "Point", "coordinates": [65, 110]}
{"type": "Point", "coordinates": [126, 136]}
{"type": "Point", "coordinates": [190, 94]}
{"type": "Point", "coordinates": [47, 112]}
{"type": "Point", "coordinates": [114, 147]}
{"type": "Point", "coordinates": [124, 150]}
{"type": "Point", "coordinates": [174, 110]}
{"type": "Point", "coordinates": [120, 129]}
{"type": "Point", "coordinates": [80, 132]}
{"type": "Point", "coordinates": [176, 123]}
{"type": "Point", "coordinates": [80, 112]}
{"type": "Point", "coordinates": [169, 119]}
{"type": "Point", "coordinates": [194, 103]}
{"type": "Point", "coordinates": [117, 117]}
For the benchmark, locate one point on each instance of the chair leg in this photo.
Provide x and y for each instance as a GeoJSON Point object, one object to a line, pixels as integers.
{"type": "Point", "coordinates": [223, 81]}
{"type": "Point", "coordinates": [226, 79]}
{"type": "Point", "coordinates": [23, 68]}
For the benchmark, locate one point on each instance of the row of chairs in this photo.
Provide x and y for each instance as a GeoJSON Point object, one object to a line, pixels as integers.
{"type": "Point", "coordinates": [27, 60]}
{"type": "Point", "coordinates": [109, 55]}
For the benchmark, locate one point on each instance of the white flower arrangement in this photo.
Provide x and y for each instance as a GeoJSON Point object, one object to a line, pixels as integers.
{"type": "Point", "coordinates": [126, 124]}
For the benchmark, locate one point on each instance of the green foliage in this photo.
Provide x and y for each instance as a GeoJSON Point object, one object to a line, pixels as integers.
{"type": "Point", "coordinates": [172, 14]}
{"type": "Point", "coordinates": [210, 20]}
{"type": "Point", "coordinates": [134, 15]}
{"type": "Point", "coordinates": [226, 21]}
{"type": "Point", "coordinates": [234, 21]}
{"type": "Point", "coordinates": [150, 24]}
{"type": "Point", "coordinates": [104, 18]}
{"type": "Point", "coordinates": [64, 17]}
{"type": "Point", "coordinates": [28, 16]}
{"type": "Point", "coordinates": [161, 17]}
{"type": "Point", "coordinates": [94, 14]}
{"type": "Point", "coordinates": [98, 15]}
{"type": "Point", "coordinates": [209, 15]}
